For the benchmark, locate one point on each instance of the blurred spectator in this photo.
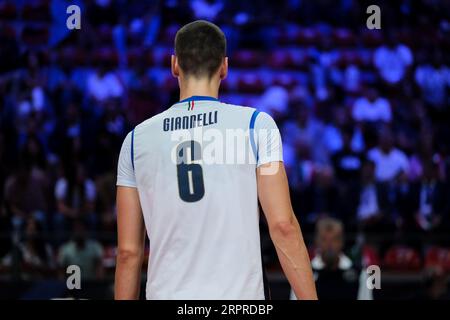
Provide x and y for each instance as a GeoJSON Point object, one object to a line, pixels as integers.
{"type": "Point", "coordinates": [390, 162]}
{"type": "Point", "coordinates": [335, 274]}
{"type": "Point", "coordinates": [145, 28]}
{"type": "Point", "coordinates": [347, 163]}
{"type": "Point", "coordinates": [275, 102]}
{"type": "Point", "coordinates": [392, 61]}
{"type": "Point", "coordinates": [75, 196]}
{"type": "Point", "coordinates": [26, 193]}
{"type": "Point", "coordinates": [430, 199]}
{"type": "Point", "coordinates": [352, 79]}
{"type": "Point", "coordinates": [207, 9]}
{"type": "Point", "coordinates": [33, 255]}
{"type": "Point", "coordinates": [433, 78]}
{"type": "Point", "coordinates": [339, 126]}
{"type": "Point", "coordinates": [370, 206]}
{"type": "Point", "coordinates": [372, 108]}
{"type": "Point", "coordinates": [106, 190]}
{"type": "Point", "coordinates": [321, 195]}
{"type": "Point", "coordinates": [304, 129]}
{"type": "Point", "coordinates": [83, 252]}
{"type": "Point", "coordinates": [102, 85]}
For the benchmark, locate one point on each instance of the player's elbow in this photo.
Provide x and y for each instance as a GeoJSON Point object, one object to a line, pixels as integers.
{"type": "Point", "coordinates": [284, 230]}
{"type": "Point", "coordinates": [129, 255]}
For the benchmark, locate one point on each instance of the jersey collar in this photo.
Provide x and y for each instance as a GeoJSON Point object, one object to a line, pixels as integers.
{"type": "Point", "coordinates": [198, 98]}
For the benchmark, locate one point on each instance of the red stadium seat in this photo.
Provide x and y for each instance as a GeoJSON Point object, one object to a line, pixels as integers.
{"type": "Point", "coordinates": [437, 256]}
{"type": "Point", "coordinates": [402, 258]}
{"type": "Point", "coordinates": [370, 256]}
{"type": "Point", "coordinates": [343, 37]}
{"type": "Point", "coordinates": [285, 80]}
{"type": "Point", "coordinates": [307, 36]}
{"type": "Point", "coordinates": [250, 83]}
{"type": "Point", "coordinates": [246, 59]}
{"type": "Point", "coordinates": [349, 57]}
{"type": "Point", "coordinates": [372, 38]}
{"type": "Point", "coordinates": [280, 59]}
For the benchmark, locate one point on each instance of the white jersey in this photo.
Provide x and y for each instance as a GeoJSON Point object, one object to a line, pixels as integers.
{"type": "Point", "coordinates": [198, 195]}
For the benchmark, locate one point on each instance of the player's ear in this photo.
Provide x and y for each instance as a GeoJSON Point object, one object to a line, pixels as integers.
{"type": "Point", "coordinates": [224, 69]}
{"type": "Point", "coordinates": [174, 66]}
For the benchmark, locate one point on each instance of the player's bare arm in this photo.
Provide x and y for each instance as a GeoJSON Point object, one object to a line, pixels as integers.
{"type": "Point", "coordinates": [273, 192]}
{"type": "Point", "coordinates": [130, 250]}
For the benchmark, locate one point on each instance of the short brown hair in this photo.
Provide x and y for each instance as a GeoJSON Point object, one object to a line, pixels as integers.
{"type": "Point", "coordinates": [200, 47]}
{"type": "Point", "coordinates": [328, 224]}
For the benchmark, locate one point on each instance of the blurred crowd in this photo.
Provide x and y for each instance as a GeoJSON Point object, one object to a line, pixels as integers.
{"type": "Point", "coordinates": [364, 114]}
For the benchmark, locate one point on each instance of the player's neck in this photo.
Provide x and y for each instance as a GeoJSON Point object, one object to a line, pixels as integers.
{"type": "Point", "coordinates": [199, 87]}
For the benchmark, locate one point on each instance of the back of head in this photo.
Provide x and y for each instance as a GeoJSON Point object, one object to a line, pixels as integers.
{"type": "Point", "coordinates": [200, 47]}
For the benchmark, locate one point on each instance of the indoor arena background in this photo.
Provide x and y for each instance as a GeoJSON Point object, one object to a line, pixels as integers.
{"type": "Point", "coordinates": [364, 117]}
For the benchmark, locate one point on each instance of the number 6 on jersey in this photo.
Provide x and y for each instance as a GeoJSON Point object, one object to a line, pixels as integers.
{"type": "Point", "coordinates": [190, 175]}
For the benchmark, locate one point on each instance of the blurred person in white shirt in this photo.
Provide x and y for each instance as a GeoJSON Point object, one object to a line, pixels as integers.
{"type": "Point", "coordinates": [372, 108]}
{"type": "Point", "coordinates": [392, 61]}
{"type": "Point", "coordinates": [390, 162]}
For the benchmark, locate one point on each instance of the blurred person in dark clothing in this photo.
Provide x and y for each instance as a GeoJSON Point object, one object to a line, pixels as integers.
{"type": "Point", "coordinates": [322, 195]}
{"type": "Point", "coordinates": [336, 276]}
{"type": "Point", "coordinates": [430, 196]}
{"type": "Point", "coordinates": [83, 252]}
{"type": "Point", "coordinates": [305, 130]}
{"type": "Point", "coordinates": [33, 256]}
{"type": "Point", "coordinates": [72, 135]}
{"type": "Point", "coordinates": [26, 193]}
{"type": "Point", "coordinates": [33, 151]}
{"type": "Point", "coordinates": [347, 163]}
{"type": "Point", "coordinates": [75, 196]}
{"type": "Point", "coordinates": [424, 151]}
{"type": "Point", "coordinates": [106, 201]}
{"type": "Point", "coordinates": [339, 125]}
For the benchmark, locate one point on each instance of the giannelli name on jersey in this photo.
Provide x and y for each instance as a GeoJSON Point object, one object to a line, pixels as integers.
{"type": "Point", "coordinates": [189, 122]}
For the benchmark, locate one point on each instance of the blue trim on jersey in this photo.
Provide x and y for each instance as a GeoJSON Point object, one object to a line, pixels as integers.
{"type": "Point", "coordinates": [132, 149]}
{"type": "Point", "coordinates": [252, 133]}
{"type": "Point", "coordinates": [198, 98]}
